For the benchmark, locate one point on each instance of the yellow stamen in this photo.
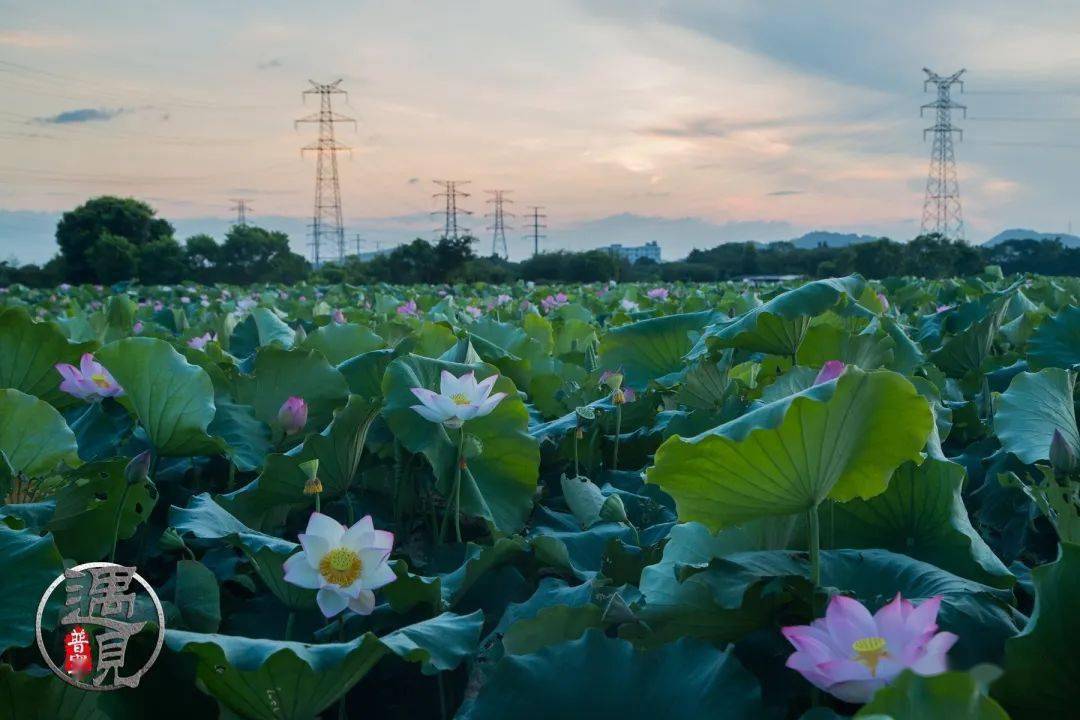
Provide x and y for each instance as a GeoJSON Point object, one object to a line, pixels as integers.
{"type": "Point", "coordinates": [460, 399]}
{"type": "Point", "coordinates": [869, 651]}
{"type": "Point", "coordinates": [340, 566]}
{"type": "Point", "coordinates": [100, 380]}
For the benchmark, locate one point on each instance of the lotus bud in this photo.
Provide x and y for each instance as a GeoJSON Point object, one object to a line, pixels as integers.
{"type": "Point", "coordinates": [831, 370]}
{"type": "Point", "coordinates": [293, 415]}
{"type": "Point", "coordinates": [312, 484]}
{"type": "Point", "coordinates": [338, 317]}
{"type": "Point", "coordinates": [138, 469]}
{"type": "Point", "coordinates": [613, 379]}
{"type": "Point", "coordinates": [1062, 457]}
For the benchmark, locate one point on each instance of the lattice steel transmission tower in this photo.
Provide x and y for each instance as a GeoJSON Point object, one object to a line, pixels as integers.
{"type": "Point", "coordinates": [536, 226]}
{"type": "Point", "coordinates": [941, 209]}
{"type": "Point", "coordinates": [241, 207]}
{"type": "Point", "coordinates": [326, 221]}
{"type": "Point", "coordinates": [498, 226]}
{"type": "Point", "coordinates": [451, 229]}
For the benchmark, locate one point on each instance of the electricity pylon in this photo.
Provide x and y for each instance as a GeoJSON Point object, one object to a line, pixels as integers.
{"type": "Point", "coordinates": [941, 208]}
{"type": "Point", "coordinates": [498, 226]}
{"type": "Point", "coordinates": [451, 229]}
{"type": "Point", "coordinates": [326, 217]}
{"type": "Point", "coordinates": [536, 227]}
{"type": "Point", "coordinates": [241, 206]}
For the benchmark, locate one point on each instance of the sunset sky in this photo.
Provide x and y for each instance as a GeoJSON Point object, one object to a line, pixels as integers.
{"type": "Point", "coordinates": [800, 112]}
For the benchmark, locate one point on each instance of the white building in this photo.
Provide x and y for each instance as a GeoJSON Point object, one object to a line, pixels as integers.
{"type": "Point", "coordinates": [650, 250]}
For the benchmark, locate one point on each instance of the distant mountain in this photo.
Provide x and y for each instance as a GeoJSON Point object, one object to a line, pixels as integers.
{"type": "Point", "coordinates": [1021, 234]}
{"type": "Point", "coordinates": [830, 239]}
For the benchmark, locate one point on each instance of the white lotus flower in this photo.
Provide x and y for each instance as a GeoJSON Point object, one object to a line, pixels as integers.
{"type": "Point", "coordinates": [346, 566]}
{"type": "Point", "coordinates": [458, 399]}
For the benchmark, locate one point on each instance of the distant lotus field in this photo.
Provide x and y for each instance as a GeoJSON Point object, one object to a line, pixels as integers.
{"type": "Point", "coordinates": [818, 500]}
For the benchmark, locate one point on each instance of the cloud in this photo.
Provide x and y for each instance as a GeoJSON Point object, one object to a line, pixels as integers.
{"type": "Point", "coordinates": [783, 193]}
{"type": "Point", "coordinates": [27, 39]}
{"type": "Point", "coordinates": [271, 64]}
{"type": "Point", "coordinates": [81, 115]}
{"type": "Point", "coordinates": [414, 180]}
{"type": "Point", "coordinates": [714, 127]}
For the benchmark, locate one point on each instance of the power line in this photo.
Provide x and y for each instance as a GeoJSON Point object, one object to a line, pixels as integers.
{"type": "Point", "coordinates": [451, 228]}
{"type": "Point", "coordinates": [941, 208]}
{"type": "Point", "coordinates": [241, 206]}
{"type": "Point", "coordinates": [536, 227]}
{"type": "Point", "coordinates": [326, 217]}
{"type": "Point", "coordinates": [498, 226]}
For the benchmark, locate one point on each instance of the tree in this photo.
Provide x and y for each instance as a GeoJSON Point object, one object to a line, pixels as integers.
{"type": "Point", "coordinates": [161, 262]}
{"type": "Point", "coordinates": [112, 258]}
{"type": "Point", "coordinates": [126, 218]}
{"type": "Point", "coordinates": [201, 253]}
{"type": "Point", "coordinates": [254, 254]}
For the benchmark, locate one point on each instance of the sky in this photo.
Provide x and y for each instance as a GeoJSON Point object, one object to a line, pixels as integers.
{"type": "Point", "coordinates": [734, 114]}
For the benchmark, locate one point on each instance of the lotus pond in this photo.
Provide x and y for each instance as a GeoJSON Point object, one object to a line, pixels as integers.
{"type": "Point", "coordinates": [820, 500]}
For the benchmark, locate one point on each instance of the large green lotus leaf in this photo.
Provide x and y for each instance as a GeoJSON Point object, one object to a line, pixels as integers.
{"type": "Point", "coordinates": [967, 350]}
{"type": "Point", "coordinates": [28, 563]}
{"type": "Point", "coordinates": [205, 519]}
{"type": "Point", "coordinates": [260, 329]}
{"type": "Point", "coordinates": [267, 499]}
{"type": "Point", "coordinates": [779, 325]}
{"type": "Point", "coordinates": [828, 342]}
{"type": "Point", "coordinates": [88, 508]}
{"type": "Point", "coordinates": [364, 373]}
{"type": "Point", "coordinates": [339, 342]}
{"type": "Point", "coordinates": [1042, 663]}
{"type": "Point", "coordinates": [921, 514]}
{"type": "Point", "coordinates": [1034, 406]}
{"type": "Point", "coordinates": [977, 613]}
{"type": "Point", "coordinates": [280, 680]}
{"type": "Point", "coordinates": [652, 349]}
{"type": "Point", "coordinates": [596, 676]}
{"type": "Point", "coordinates": [340, 446]}
{"type": "Point", "coordinates": [840, 439]}
{"type": "Point", "coordinates": [29, 352]}
{"type": "Point", "coordinates": [500, 482]}
{"type": "Point", "coordinates": [197, 596]}
{"type": "Point", "coordinates": [38, 694]}
{"type": "Point", "coordinates": [1056, 342]}
{"type": "Point", "coordinates": [279, 374]}
{"type": "Point", "coordinates": [173, 399]}
{"type": "Point", "coordinates": [33, 435]}
{"type": "Point", "coordinates": [247, 438]}
{"type": "Point", "coordinates": [676, 608]}
{"type": "Point", "coordinates": [948, 696]}
{"type": "Point", "coordinates": [573, 337]}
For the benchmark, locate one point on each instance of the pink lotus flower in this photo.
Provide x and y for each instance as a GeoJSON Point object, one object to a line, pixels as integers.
{"type": "Point", "coordinates": [502, 299]}
{"type": "Point", "coordinates": [474, 311]}
{"type": "Point", "coordinates": [199, 342]}
{"type": "Point", "coordinates": [408, 309]}
{"type": "Point", "coordinates": [293, 415]}
{"type": "Point", "coordinates": [137, 328]}
{"type": "Point", "coordinates": [851, 654]}
{"type": "Point", "coordinates": [346, 566]}
{"type": "Point", "coordinates": [158, 306]}
{"type": "Point", "coordinates": [831, 370]}
{"type": "Point", "coordinates": [883, 300]}
{"type": "Point", "coordinates": [551, 302]}
{"type": "Point", "coordinates": [90, 381]}
{"type": "Point", "coordinates": [943, 308]}
{"type": "Point", "coordinates": [338, 317]}
{"type": "Point", "coordinates": [658, 293]}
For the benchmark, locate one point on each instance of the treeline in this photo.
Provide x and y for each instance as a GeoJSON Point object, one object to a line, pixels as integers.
{"type": "Point", "coordinates": [111, 239]}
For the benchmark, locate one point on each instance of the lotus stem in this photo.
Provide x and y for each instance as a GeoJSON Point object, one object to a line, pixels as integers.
{"type": "Point", "coordinates": [814, 526]}
{"type": "Point", "coordinates": [618, 434]}
{"type": "Point", "coordinates": [289, 624]}
{"type": "Point", "coordinates": [116, 525]}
